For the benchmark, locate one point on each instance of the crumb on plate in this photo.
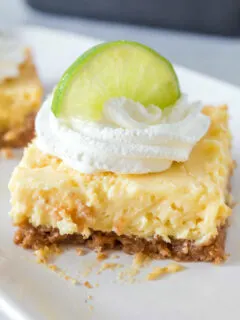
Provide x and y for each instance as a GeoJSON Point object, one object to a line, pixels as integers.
{"type": "Point", "coordinates": [7, 153]}
{"type": "Point", "coordinates": [90, 308]}
{"type": "Point", "coordinates": [129, 274]}
{"type": "Point", "coordinates": [43, 254]}
{"type": "Point", "coordinates": [140, 259]}
{"type": "Point", "coordinates": [159, 271]}
{"type": "Point", "coordinates": [89, 268]}
{"type": "Point", "coordinates": [101, 256]}
{"type": "Point", "coordinates": [109, 266]}
{"type": "Point", "coordinates": [62, 274]}
{"type": "Point", "coordinates": [88, 285]}
{"type": "Point", "coordinates": [115, 256]}
{"type": "Point", "coordinates": [81, 252]}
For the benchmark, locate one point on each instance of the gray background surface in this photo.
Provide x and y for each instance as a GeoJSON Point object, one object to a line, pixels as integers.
{"type": "Point", "coordinates": [215, 56]}
{"type": "Point", "coordinates": [211, 16]}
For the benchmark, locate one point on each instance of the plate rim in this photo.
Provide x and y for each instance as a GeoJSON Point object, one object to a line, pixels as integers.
{"type": "Point", "coordinates": [79, 37]}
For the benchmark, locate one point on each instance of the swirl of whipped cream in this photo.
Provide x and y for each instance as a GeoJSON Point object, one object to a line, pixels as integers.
{"type": "Point", "coordinates": [130, 138]}
{"type": "Point", "coordinates": [12, 54]}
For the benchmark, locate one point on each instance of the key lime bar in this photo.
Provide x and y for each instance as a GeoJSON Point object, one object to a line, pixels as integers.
{"type": "Point", "coordinates": [20, 98]}
{"type": "Point", "coordinates": [180, 213]}
{"type": "Point", "coordinates": [122, 160]}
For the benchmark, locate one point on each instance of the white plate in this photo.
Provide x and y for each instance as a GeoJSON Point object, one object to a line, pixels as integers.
{"type": "Point", "coordinates": [31, 291]}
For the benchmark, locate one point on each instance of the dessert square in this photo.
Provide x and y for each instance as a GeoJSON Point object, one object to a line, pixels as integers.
{"type": "Point", "coordinates": [20, 98]}
{"type": "Point", "coordinates": [180, 213]}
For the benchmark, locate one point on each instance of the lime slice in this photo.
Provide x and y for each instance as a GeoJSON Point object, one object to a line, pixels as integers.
{"type": "Point", "coordinates": [112, 70]}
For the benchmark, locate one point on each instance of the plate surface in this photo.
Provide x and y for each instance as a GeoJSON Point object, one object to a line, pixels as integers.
{"type": "Point", "coordinates": [31, 291]}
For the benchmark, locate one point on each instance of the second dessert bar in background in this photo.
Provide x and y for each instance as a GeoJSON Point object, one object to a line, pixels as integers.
{"type": "Point", "coordinates": [20, 92]}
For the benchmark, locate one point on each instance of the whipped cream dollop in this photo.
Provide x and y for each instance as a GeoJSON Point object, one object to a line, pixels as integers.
{"type": "Point", "coordinates": [12, 54]}
{"type": "Point", "coordinates": [130, 138]}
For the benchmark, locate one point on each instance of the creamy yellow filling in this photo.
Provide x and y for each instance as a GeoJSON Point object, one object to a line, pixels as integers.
{"type": "Point", "coordinates": [185, 202]}
{"type": "Point", "coordinates": [19, 96]}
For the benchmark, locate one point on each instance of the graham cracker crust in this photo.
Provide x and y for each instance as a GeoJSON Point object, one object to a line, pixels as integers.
{"type": "Point", "coordinates": [30, 237]}
{"type": "Point", "coordinates": [19, 137]}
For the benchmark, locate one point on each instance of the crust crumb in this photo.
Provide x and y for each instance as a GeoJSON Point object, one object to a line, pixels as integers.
{"type": "Point", "coordinates": [220, 261]}
{"type": "Point", "coordinates": [110, 266]}
{"type": "Point", "coordinates": [89, 268]}
{"type": "Point", "coordinates": [101, 256]}
{"type": "Point", "coordinates": [7, 153]}
{"type": "Point", "coordinates": [88, 285]}
{"type": "Point", "coordinates": [159, 271]}
{"type": "Point", "coordinates": [45, 253]}
{"type": "Point", "coordinates": [91, 308]}
{"type": "Point", "coordinates": [87, 271]}
{"type": "Point", "coordinates": [129, 275]}
{"type": "Point", "coordinates": [53, 267]}
{"type": "Point", "coordinates": [68, 278]}
{"type": "Point", "coordinates": [42, 255]}
{"type": "Point", "coordinates": [140, 259]}
{"type": "Point", "coordinates": [81, 252]}
{"type": "Point", "coordinates": [62, 274]}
